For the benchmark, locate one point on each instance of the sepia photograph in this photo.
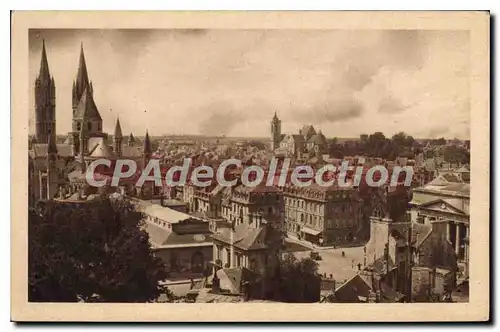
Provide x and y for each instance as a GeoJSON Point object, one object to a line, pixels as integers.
{"type": "Point", "coordinates": [251, 162]}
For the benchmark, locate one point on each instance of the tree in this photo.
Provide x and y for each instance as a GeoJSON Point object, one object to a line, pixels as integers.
{"type": "Point", "coordinates": [429, 154]}
{"type": "Point", "coordinates": [96, 252]}
{"type": "Point", "coordinates": [439, 141]}
{"type": "Point", "coordinates": [298, 280]}
{"type": "Point", "coordinates": [455, 155]}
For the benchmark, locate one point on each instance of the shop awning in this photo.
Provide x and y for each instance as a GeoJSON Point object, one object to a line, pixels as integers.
{"type": "Point", "coordinates": [310, 231]}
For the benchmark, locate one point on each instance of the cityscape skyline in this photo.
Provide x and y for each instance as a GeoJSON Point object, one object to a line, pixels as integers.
{"type": "Point", "coordinates": [316, 100]}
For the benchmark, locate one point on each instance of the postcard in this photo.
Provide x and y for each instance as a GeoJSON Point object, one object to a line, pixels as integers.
{"type": "Point", "coordinates": [250, 166]}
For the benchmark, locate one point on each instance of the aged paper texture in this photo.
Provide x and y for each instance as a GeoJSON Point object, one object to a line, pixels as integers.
{"type": "Point", "coordinates": [250, 166]}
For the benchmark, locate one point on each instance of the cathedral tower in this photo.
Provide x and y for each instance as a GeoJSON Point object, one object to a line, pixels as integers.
{"type": "Point", "coordinates": [275, 132]}
{"type": "Point", "coordinates": [82, 81]}
{"type": "Point", "coordinates": [86, 116]}
{"type": "Point", "coordinates": [45, 102]}
{"type": "Point", "coordinates": [117, 139]}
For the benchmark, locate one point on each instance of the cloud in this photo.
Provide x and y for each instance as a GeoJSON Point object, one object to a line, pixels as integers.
{"type": "Point", "coordinates": [329, 111]}
{"type": "Point", "coordinates": [438, 131]}
{"type": "Point", "coordinates": [232, 81]}
{"type": "Point", "coordinates": [390, 105]}
{"type": "Point", "coordinates": [218, 118]}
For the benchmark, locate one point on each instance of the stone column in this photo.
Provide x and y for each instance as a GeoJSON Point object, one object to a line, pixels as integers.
{"type": "Point", "coordinates": [457, 238]}
{"type": "Point", "coordinates": [448, 237]}
{"type": "Point", "coordinates": [232, 260]}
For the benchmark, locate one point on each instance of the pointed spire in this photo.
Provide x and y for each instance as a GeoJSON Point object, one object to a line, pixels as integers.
{"type": "Point", "coordinates": [147, 144]}
{"type": "Point", "coordinates": [86, 94]}
{"type": "Point", "coordinates": [52, 147]}
{"type": "Point", "coordinates": [275, 116]}
{"type": "Point", "coordinates": [118, 129]}
{"type": "Point", "coordinates": [82, 77]}
{"type": "Point", "coordinates": [44, 64]}
{"type": "Point", "coordinates": [131, 139]}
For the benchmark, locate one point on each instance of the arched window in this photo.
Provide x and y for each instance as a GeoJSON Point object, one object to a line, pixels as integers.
{"type": "Point", "coordinates": [78, 126]}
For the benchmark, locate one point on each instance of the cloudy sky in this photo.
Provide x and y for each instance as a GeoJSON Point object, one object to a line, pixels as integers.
{"type": "Point", "coordinates": [231, 82]}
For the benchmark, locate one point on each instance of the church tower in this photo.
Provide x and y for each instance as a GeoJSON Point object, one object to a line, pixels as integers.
{"type": "Point", "coordinates": [82, 81]}
{"type": "Point", "coordinates": [117, 139]}
{"type": "Point", "coordinates": [45, 102]}
{"type": "Point", "coordinates": [131, 140]}
{"type": "Point", "coordinates": [275, 132]}
{"type": "Point", "coordinates": [86, 116]}
{"type": "Point", "coordinates": [146, 151]}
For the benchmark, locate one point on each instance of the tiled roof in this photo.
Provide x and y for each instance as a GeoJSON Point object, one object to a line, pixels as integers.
{"type": "Point", "coordinates": [307, 130]}
{"type": "Point", "coordinates": [102, 150]}
{"type": "Point", "coordinates": [232, 278]}
{"type": "Point", "coordinates": [420, 232]}
{"type": "Point", "coordinates": [86, 107]}
{"type": "Point", "coordinates": [261, 188]}
{"type": "Point", "coordinates": [450, 188]}
{"type": "Point", "coordinates": [40, 150]}
{"type": "Point", "coordinates": [160, 237]}
{"type": "Point", "coordinates": [131, 151]}
{"type": "Point", "coordinates": [247, 237]}
{"type": "Point", "coordinates": [163, 213]}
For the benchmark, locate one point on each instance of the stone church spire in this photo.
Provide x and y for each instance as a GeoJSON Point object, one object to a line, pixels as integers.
{"type": "Point", "coordinates": [146, 151]}
{"type": "Point", "coordinates": [44, 74]}
{"type": "Point", "coordinates": [118, 129]}
{"type": "Point", "coordinates": [118, 138]}
{"type": "Point", "coordinates": [131, 140]}
{"type": "Point", "coordinates": [82, 80]}
{"type": "Point", "coordinates": [45, 101]}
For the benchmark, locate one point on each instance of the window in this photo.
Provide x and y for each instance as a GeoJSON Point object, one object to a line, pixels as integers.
{"type": "Point", "coordinates": [89, 126]}
{"type": "Point", "coordinates": [78, 126]}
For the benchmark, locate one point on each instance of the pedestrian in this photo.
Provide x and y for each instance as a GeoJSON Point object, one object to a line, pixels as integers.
{"type": "Point", "coordinates": [343, 253]}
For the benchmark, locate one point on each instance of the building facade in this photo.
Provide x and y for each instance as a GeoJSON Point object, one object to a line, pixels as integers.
{"type": "Point", "coordinates": [322, 215]}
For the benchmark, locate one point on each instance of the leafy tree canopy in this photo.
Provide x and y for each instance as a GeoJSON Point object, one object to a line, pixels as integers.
{"type": "Point", "coordinates": [94, 252]}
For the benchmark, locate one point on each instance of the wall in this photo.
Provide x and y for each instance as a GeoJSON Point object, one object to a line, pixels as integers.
{"type": "Point", "coordinates": [184, 257]}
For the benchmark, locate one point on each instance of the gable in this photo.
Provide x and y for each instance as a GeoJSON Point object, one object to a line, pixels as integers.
{"type": "Point", "coordinates": [440, 205]}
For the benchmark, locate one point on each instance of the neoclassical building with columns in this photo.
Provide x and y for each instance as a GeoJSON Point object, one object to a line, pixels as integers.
{"type": "Point", "coordinates": [448, 203]}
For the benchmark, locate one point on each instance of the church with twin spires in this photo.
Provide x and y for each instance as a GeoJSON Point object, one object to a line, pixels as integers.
{"type": "Point", "coordinates": [56, 169]}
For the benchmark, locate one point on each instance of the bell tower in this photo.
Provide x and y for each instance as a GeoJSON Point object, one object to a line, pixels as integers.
{"type": "Point", "coordinates": [275, 132]}
{"type": "Point", "coordinates": [45, 102]}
